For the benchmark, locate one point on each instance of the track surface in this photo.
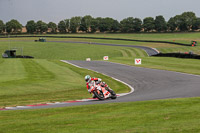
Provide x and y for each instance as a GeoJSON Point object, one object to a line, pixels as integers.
{"type": "Point", "coordinates": [149, 84]}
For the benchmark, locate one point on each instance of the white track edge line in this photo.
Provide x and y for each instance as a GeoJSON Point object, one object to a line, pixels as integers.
{"type": "Point", "coordinates": [122, 94]}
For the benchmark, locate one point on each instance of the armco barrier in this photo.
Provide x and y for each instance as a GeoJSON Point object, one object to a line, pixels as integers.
{"type": "Point", "coordinates": [179, 55]}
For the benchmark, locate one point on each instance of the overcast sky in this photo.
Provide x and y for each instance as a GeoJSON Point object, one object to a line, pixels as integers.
{"type": "Point", "coordinates": [56, 10]}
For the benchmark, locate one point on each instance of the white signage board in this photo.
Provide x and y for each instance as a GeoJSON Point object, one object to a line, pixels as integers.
{"type": "Point", "coordinates": [138, 61]}
{"type": "Point", "coordinates": [88, 59]}
{"type": "Point", "coordinates": [105, 58]}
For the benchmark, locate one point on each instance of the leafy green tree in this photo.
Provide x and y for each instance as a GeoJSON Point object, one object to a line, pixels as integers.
{"type": "Point", "coordinates": [13, 26]}
{"type": "Point", "coordinates": [86, 23]}
{"type": "Point", "coordinates": [67, 23]}
{"type": "Point", "coordinates": [107, 24]}
{"type": "Point", "coordinates": [160, 24]}
{"type": "Point", "coordinates": [31, 26]}
{"type": "Point", "coordinates": [171, 24]}
{"type": "Point", "coordinates": [75, 24]}
{"type": "Point", "coordinates": [62, 26]}
{"type": "Point", "coordinates": [183, 22]}
{"type": "Point", "coordinates": [94, 25]}
{"type": "Point", "coordinates": [186, 21]}
{"type": "Point", "coordinates": [174, 23]}
{"type": "Point", "coordinates": [177, 20]}
{"type": "Point", "coordinates": [2, 26]}
{"type": "Point", "coordinates": [115, 26]}
{"type": "Point", "coordinates": [196, 24]}
{"type": "Point", "coordinates": [127, 24]}
{"type": "Point", "coordinates": [131, 24]}
{"type": "Point", "coordinates": [148, 24]}
{"type": "Point", "coordinates": [52, 26]}
{"type": "Point", "coordinates": [101, 24]}
{"type": "Point", "coordinates": [137, 25]}
{"type": "Point", "coordinates": [41, 26]}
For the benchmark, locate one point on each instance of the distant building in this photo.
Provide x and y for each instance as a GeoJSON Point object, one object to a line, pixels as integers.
{"type": "Point", "coordinates": [24, 30]}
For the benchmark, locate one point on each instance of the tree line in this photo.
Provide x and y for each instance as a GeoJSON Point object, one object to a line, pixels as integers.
{"type": "Point", "coordinates": [187, 21]}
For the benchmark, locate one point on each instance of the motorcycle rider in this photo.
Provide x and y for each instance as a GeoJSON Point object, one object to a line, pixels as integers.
{"type": "Point", "coordinates": [90, 80]}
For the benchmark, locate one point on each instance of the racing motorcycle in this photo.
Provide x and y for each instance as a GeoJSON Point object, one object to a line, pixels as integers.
{"type": "Point", "coordinates": [101, 92]}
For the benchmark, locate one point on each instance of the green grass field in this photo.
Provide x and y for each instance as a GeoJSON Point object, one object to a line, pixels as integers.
{"type": "Point", "coordinates": [171, 37]}
{"type": "Point", "coordinates": [46, 79]}
{"type": "Point", "coordinates": [190, 66]}
{"type": "Point", "coordinates": [69, 51]}
{"type": "Point", "coordinates": [160, 116]}
{"type": "Point", "coordinates": [25, 81]}
{"type": "Point", "coordinates": [162, 47]}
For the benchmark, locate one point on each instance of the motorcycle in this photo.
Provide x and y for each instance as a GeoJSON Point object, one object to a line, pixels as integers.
{"type": "Point", "coordinates": [101, 92]}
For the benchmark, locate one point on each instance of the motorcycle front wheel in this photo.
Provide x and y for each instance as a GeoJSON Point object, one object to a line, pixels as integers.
{"type": "Point", "coordinates": [114, 96]}
{"type": "Point", "coordinates": [99, 95]}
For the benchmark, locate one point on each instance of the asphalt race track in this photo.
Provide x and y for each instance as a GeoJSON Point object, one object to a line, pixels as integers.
{"type": "Point", "coordinates": [148, 84]}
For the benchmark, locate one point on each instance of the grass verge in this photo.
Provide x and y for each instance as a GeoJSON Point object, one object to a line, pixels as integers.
{"type": "Point", "coordinates": [26, 81]}
{"type": "Point", "coordinates": [190, 66]}
{"type": "Point", "coordinates": [169, 116]}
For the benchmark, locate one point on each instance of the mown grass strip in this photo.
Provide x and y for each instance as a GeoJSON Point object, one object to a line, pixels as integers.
{"type": "Point", "coordinates": [132, 52]}
{"type": "Point", "coordinates": [108, 38]}
{"type": "Point", "coordinates": [124, 54]}
{"type": "Point", "coordinates": [11, 70]}
{"type": "Point", "coordinates": [174, 115]}
{"type": "Point", "coordinates": [63, 51]}
{"type": "Point", "coordinates": [48, 81]}
{"type": "Point", "coordinates": [33, 72]}
{"type": "Point", "coordinates": [191, 66]}
{"type": "Point", "coordinates": [128, 52]}
{"type": "Point", "coordinates": [169, 47]}
{"type": "Point", "coordinates": [141, 53]}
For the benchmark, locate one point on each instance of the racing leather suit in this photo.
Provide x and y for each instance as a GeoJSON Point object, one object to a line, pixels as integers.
{"type": "Point", "coordinates": [97, 81]}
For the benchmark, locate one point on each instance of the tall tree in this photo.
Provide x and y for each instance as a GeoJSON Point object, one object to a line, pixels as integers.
{"type": "Point", "coordinates": [41, 26]}
{"type": "Point", "coordinates": [160, 24]}
{"type": "Point", "coordinates": [2, 26]}
{"type": "Point", "coordinates": [186, 21]}
{"type": "Point", "coordinates": [62, 26]}
{"type": "Point", "coordinates": [52, 26]}
{"type": "Point", "coordinates": [31, 26]}
{"type": "Point", "coordinates": [171, 24]}
{"type": "Point", "coordinates": [115, 26]}
{"type": "Point", "coordinates": [127, 24]}
{"type": "Point", "coordinates": [196, 24]}
{"type": "Point", "coordinates": [137, 24]}
{"type": "Point", "coordinates": [101, 24]}
{"type": "Point", "coordinates": [13, 26]}
{"type": "Point", "coordinates": [75, 24]}
{"type": "Point", "coordinates": [107, 24]}
{"type": "Point", "coordinates": [148, 24]}
{"type": "Point", "coordinates": [174, 23]}
{"type": "Point", "coordinates": [86, 23]}
{"type": "Point", "coordinates": [94, 25]}
{"type": "Point", "coordinates": [67, 24]}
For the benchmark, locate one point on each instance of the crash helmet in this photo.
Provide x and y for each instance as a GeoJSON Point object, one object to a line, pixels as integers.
{"type": "Point", "coordinates": [87, 78]}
